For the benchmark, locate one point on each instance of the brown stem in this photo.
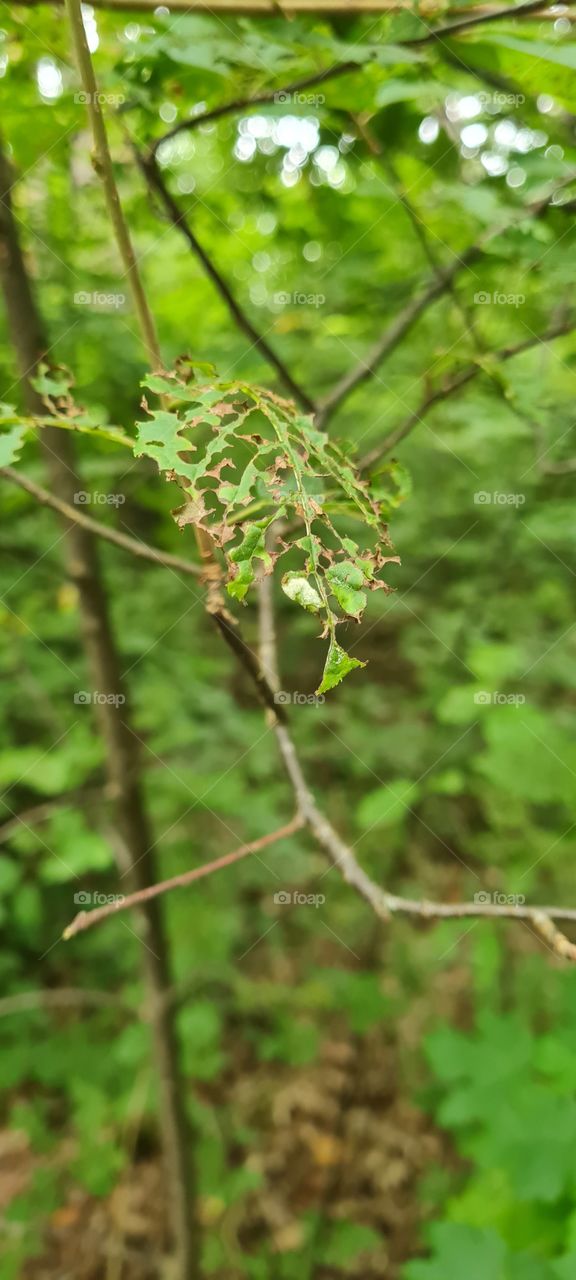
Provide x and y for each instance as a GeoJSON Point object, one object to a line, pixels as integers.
{"type": "Point", "coordinates": [271, 9]}
{"type": "Point", "coordinates": [102, 161]}
{"type": "Point", "coordinates": [385, 904]}
{"type": "Point", "coordinates": [416, 307]}
{"type": "Point", "coordinates": [458, 380]}
{"type": "Point", "coordinates": [123, 540]}
{"type": "Point", "coordinates": [122, 767]}
{"type": "Point", "coordinates": [151, 172]}
{"type": "Point", "coordinates": [85, 919]}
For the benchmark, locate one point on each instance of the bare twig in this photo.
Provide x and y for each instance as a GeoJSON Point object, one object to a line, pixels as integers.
{"type": "Point", "coordinates": [102, 161]}
{"type": "Point", "coordinates": [390, 339]}
{"type": "Point", "coordinates": [499, 382]}
{"type": "Point", "coordinates": [385, 904]}
{"type": "Point", "coordinates": [42, 812]}
{"type": "Point", "coordinates": [59, 998]}
{"type": "Point", "coordinates": [123, 540]}
{"type": "Point", "coordinates": [442, 283]}
{"type": "Point", "coordinates": [564, 467]}
{"type": "Point", "coordinates": [508, 13]}
{"type": "Point", "coordinates": [232, 635]}
{"type": "Point", "coordinates": [151, 172]}
{"type": "Point", "coordinates": [267, 647]}
{"type": "Point", "coordinates": [85, 919]}
{"type": "Point", "coordinates": [272, 9]}
{"type": "Point", "coordinates": [455, 383]}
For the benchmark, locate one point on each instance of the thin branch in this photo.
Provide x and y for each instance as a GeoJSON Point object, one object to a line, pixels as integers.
{"type": "Point", "coordinates": [273, 9]}
{"type": "Point", "coordinates": [509, 13]}
{"type": "Point", "coordinates": [122, 540]}
{"type": "Point", "coordinates": [500, 384]}
{"type": "Point", "coordinates": [215, 609]}
{"type": "Point", "coordinates": [565, 466]}
{"type": "Point", "coordinates": [472, 19]}
{"type": "Point", "coordinates": [59, 998]}
{"type": "Point", "coordinates": [102, 161]}
{"type": "Point", "coordinates": [442, 283]}
{"type": "Point", "coordinates": [390, 339]}
{"type": "Point", "coordinates": [385, 904]}
{"type": "Point", "coordinates": [231, 634]}
{"type": "Point", "coordinates": [456, 382]}
{"type": "Point", "coordinates": [155, 181]}
{"type": "Point", "coordinates": [85, 919]}
{"type": "Point", "coordinates": [266, 98]}
{"type": "Point", "coordinates": [39, 813]}
{"type": "Point", "coordinates": [267, 647]}
{"type": "Point", "coordinates": [362, 126]}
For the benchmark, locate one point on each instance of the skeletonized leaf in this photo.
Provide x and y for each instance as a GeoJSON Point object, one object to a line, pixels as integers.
{"type": "Point", "coordinates": [243, 457]}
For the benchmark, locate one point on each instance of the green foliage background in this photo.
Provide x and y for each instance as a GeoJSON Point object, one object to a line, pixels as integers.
{"type": "Point", "coordinates": [441, 795]}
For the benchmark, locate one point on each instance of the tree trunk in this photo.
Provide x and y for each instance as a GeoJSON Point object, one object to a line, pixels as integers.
{"type": "Point", "coordinates": [135, 857]}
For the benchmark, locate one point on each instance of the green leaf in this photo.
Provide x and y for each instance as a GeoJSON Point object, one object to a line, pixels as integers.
{"type": "Point", "coordinates": [387, 805]}
{"type": "Point", "coordinates": [338, 665]}
{"type": "Point", "coordinates": [347, 1240]}
{"type": "Point", "coordinates": [345, 580]}
{"type": "Point", "coordinates": [461, 1251]}
{"type": "Point", "coordinates": [48, 384]}
{"type": "Point", "coordinates": [9, 874]}
{"type": "Point", "coordinates": [300, 589]}
{"type": "Point", "coordinates": [272, 456]}
{"type": "Point", "coordinates": [11, 443]}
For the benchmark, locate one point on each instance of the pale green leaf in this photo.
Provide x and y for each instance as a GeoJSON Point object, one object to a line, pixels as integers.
{"type": "Point", "coordinates": [11, 442]}
{"type": "Point", "coordinates": [338, 665]}
{"type": "Point", "coordinates": [300, 589]}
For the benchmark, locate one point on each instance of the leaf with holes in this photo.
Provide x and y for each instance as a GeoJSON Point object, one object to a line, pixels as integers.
{"type": "Point", "coordinates": [245, 460]}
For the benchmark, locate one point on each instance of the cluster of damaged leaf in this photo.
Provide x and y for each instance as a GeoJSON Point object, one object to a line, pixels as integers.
{"type": "Point", "coordinates": [241, 477]}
